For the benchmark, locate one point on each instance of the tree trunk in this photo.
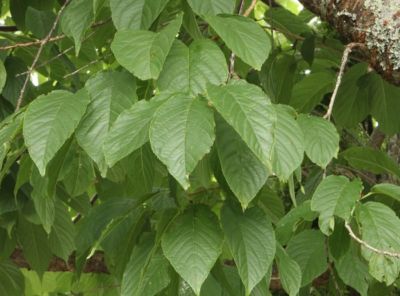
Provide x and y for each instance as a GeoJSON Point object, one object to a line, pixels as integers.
{"type": "Point", "coordinates": [373, 23]}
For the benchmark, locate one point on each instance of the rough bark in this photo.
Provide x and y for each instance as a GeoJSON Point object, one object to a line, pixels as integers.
{"type": "Point", "coordinates": [373, 23]}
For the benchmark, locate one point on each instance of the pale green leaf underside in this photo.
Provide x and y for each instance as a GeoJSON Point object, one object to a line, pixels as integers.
{"type": "Point", "coordinates": [212, 7]}
{"type": "Point", "coordinates": [289, 271]}
{"type": "Point", "coordinates": [49, 121]}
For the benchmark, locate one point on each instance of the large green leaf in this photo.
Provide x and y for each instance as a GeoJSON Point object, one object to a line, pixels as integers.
{"type": "Point", "coordinates": [321, 139]}
{"type": "Point", "coordinates": [49, 121]}
{"type": "Point", "coordinates": [335, 196]}
{"type": "Point", "coordinates": [246, 32]}
{"type": "Point", "coordinates": [251, 239]}
{"type": "Point", "coordinates": [135, 14]}
{"type": "Point", "coordinates": [11, 279]}
{"type": "Point", "coordinates": [62, 235]}
{"type": "Point", "coordinates": [385, 104]}
{"type": "Point", "coordinates": [248, 110]}
{"type": "Point", "coordinates": [180, 141]}
{"type": "Point", "coordinates": [130, 130]}
{"type": "Point", "coordinates": [380, 228]}
{"type": "Point", "coordinates": [210, 7]}
{"type": "Point", "coordinates": [310, 91]}
{"type": "Point", "coordinates": [146, 273]}
{"type": "Point", "coordinates": [189, 69]}
{"type": "Point", "coordinates": [286, 21]}
{"type": "Point", "coordinates": [308, 250]}
{"type": "Point", "coordinates": [387, 189]}
{"type": "Point", "coordinates": [111, 93]}
{"type": "Point", "coordinates": [369, 159]}
{"type": "Point", "coordinates": [3, 76]}
{"type": "Point", "coordinates": [243, 171]}
{"type": "Point", "coordinates": [76, 20]}
{"type": "Point", "coordinates": [192, 244]}
{"type": "Point", "coordinates": [288, 148]}
{"type": "Point", "coordinates": [34, 244]}
{"type": "Point", "coordinates": [143, 52]}
{"type": "Point", "coordinates": [289, 271]}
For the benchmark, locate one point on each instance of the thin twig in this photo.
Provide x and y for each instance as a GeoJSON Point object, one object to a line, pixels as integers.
{"type": "Point", "coordinates": [368, 246]}
{"type": "Point", "coordinates": [31, 43]}
{"type": "Point", "coordinates": [250, 8]}
{"type": "Point", "coordinates": [233, 56]}
{"type": "Point", "coordinates": [348, 49]}
{"type": "Point", "coordinates": [85, 66]}
{"type": "Point", "coordinates": [35, 60]}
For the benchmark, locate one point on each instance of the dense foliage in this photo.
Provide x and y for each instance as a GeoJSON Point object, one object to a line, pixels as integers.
{"type": "Point", "coordinates": [180, 147]}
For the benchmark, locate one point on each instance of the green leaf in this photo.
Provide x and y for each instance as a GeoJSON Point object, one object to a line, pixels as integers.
{"type": "Point", "coordinates": [369, 159]}
{"type": "Point", "coordinates": [277, 76]}
{"type": "Point", "coordinates": [49, 121]}
{"type": "Point", "coordinates": [111, 93]}
{"type": "Point", "coordinates": [272, 204]}
{"type": "Point", "coordinates": [310, 91]}
{"type": "Point", "coordinates": [135, 14]}
{"type": "Point", "coordinates": [130, 130]}
{"type": "Point", "coordinates": [308, 250]}
{"type": "Point", "coordinates": [288, 148]}
{"type": "Point", "coordinates": [11, 279]}
{"type": "Point", "coordinates": [146, 273]}
{"type": "Point", "coordinates": [189, 69]}
{"type": "Point", "coordinates": [242, 170]}
{"type": "Point", "coordinates": [246, 33]}
{"type": "Point", "coordinates": [289, 272]}
{"type": "Point", "coordinates": [35, 245]}
{"type": "Point", "coordinates": [251, 239]}
{"type": "Point", "coordinates": [192, 244]}
{"type": "Point", "coordinates": [321, 139]}
{"type": "Point", "coordinates": [286, 21]}
{"type": "Point", "coordinates": [76, 19]}
{"type": "Point", "coordinates": [210, 7]}
{"type": "Point", "coordinates": [143, 52]}
{"type": "Point", "coordinates": [181, 141]}
{"type": "Point", "coordinates": [3, 76]}
{"type": "Point", "coordinates": [62, 235]}
{"type": "Point", "coordinates": [352, 102]}
{"type": "Point", "coordinates": [390, 190]}
{"type": "Point", "coordinates": [384, 104]}
{"type": "Point", "coordinates": [248, 110]}
{"type": "Point", "coordinates": [39, 22]}
{"type": "Point", "coordinates": [335, 196]}
{"type": "Point", "coordinates": [353, 270]}
{"type": "Point", "coordinates": [380, 228]}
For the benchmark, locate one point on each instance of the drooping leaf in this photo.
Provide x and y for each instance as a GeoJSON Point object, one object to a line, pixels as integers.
{"type": "Point", "coordinates": [143, 52]}
{"type": "Point", "coordinates": [192, 244]}
{"type": "Point", "coordinates": [369, 159]}
{"type": "Point", "coordinates": [146, 273]}
{"type": "Point", "coordinates": [181, 141]}
{"type": "Point", "coordinates": [308, 249]}
{"type": "Point", "coordinates": [321, 139]}
{"type": "Point", "coordinates": [246, 32]}
{"type": "Point", "coordinates": [310, 91]}
{"type": "Point", "coordinates": [248, 110]}
{"type": "Point", "coordinates": [243, 171]}
{"type": "Point", "coordinates": [3, 76]}
{"type": "Point", "coordinates": [251, 239]}
{"type": "Point", "coordinates": [288, 148]}
{"type": "Point", "coordinates": [76, 19]}
{"type": "Point", "coordinates": [11, 279]}
{"type": "Point", "coordinates": [111, 93]}
{"type": "Point", "coordinates": [135, 14]}
{"type": "Point", "coordinates": [286, 21]}
{"type": "Point", "coordinates": [387, 189]}
{"type": "Point", "coordinates": [210, 7]}
{"type": "Point", "coordinates": [335, 196]}
{"type": "Point", "coordinates": [380, 228]}
{"type": "Point", "coordinates": [130, 130]}
{"type": "Point", "coordinates": [189, 69]}
{"type": "Point", "coordinates": [35, 245]}
{"type": "Point", "coordinates": [289, 271]}
{"type": "Point", "coordinates": [49, 121]}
